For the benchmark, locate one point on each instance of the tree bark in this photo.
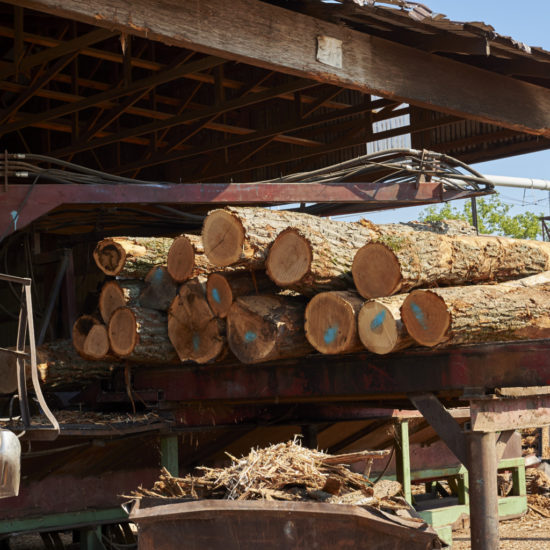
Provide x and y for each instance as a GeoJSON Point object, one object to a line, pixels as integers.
{"type": "Point", "coordinates": [267, 327]}
{"type": "Point", "coordinates": [194, 331]}
{"type": "Point", "coordinates": [90, 338]}
{"type": "Point", "coordinates": [331, 322]}
{"type": "Point", "coordinates": [140, 334]}
{"type": "Point", "coordinates": [115, 294]}
{"type": "Point", "coordinates": [380, 327]}
{"type": "Point", "coordinates": [186, 258]}
{"type": "Point", "coordinates": [131, 257]}
{"type": "Point", "coordinates": [160, 289]}
{"type": "Point", "coordinates": [223, 288]}
{"type": "Point", "coordinates": [474, 314]}
{"type": "Point", "coordinates": [400, 263]}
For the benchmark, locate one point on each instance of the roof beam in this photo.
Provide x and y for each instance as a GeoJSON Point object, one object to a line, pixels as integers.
{"type": "Point", "coordinates": [268, 36]}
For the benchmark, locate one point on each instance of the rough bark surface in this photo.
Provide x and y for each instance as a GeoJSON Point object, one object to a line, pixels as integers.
{"type": "Point", "coordinates": [140, 334]}
{"type": "Point", "coordinates": [267, 327]}
{"type": "Point", "coordinates": [186, 258]}
{"type": "Point", "coordinates": [131, 257]}
{"type": "Point", "coordinates": [90, 338]}
{"type": "Point", "coordinates": [380, 327]}
{"type": "Point", "coordinates": [474, 314]}
{"type": "Point", "coordinates": [424, 259]}
{"type": "Point", "coordinates": [223, 288]}
{"type": "Point", "coordinates": [160, 289]}
{"type": "Point", "coordinates": [331, 322]}
{"type": "Point", "coordinates": [115, 294]}
{"type": "Point", "coordinates": [59, 367]}
{"type": "Point", "coordinates": [194, 331]}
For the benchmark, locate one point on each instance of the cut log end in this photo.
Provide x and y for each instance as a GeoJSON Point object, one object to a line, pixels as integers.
{"type": "Point", "coordinates": [426, 317]}
{"type": "Point", "coordinates": [90, 338]}
{"type": "Point", "coordinates": [289, 258]}
{"type": "Point", "coordinates": [377, 327]}
{"type": "Point", "coordinates": [109, 256]}
{"type": "Point", "coordinates": [376, 271]}
{"type": "Point", "coordinates": [160, 289]}
{"type": "Point", "coordinates": [223, 238]}
{"type": "Point", "coordinates": [250, 337]}
{"type": "Point", "coordinates": [123, 331]}
{"type": "Point", "coordinates": [110, 299]}
{"type": "Point", "coordinates": [330, 324]}
{"type": "Point", "coordinates": [219, 294]}
{"type": "Point", "coordinates": [181, 259]}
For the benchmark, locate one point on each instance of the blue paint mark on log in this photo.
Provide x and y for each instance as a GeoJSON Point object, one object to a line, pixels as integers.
{"type": "Point", "coordinates": [330, 334]}
{"type": "Point", "coordinates": [378, 320]}
{"type": "Point", "coordinates": [216, 295]}
{"type": "Point", "coordinates": [14, 216]}
{"type": "Point", "coordinates": [158, 274]}
{"type": "Point", "coordinates": [419, 314]}
{"type": "Point", "coordinates": [196, 342]}
{"type": "Point", "coordinates": [249, 337]}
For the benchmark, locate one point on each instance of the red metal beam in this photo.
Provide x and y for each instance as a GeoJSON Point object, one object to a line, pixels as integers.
{"type": "Point", "coordinates": [22, 204]}
{"type": "Point", "coordinates": [356, 377]}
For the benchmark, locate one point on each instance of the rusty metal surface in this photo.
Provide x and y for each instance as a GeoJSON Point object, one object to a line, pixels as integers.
{"type": "Point", "coordinates": [231, 525]}
{"type": "Point", "coordinates": [23, 204]}
{"type": "Point", "coordinates": [356, 377]}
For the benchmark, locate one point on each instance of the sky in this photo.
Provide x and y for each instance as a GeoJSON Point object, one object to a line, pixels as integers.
{"type": "Point", "coordinates": [527, 22]}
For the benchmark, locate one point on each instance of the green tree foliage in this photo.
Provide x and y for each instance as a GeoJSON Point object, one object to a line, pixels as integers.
{"type": "Point", "coordinates": [493, 218]}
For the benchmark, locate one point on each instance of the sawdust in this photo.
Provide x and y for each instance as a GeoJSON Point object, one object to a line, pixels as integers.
{"type": "Point", "coordinates": [286, 471]}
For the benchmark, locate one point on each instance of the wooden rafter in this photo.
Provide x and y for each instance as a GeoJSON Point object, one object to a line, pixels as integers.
{"type": "Point", "coordinates": [283, 40]}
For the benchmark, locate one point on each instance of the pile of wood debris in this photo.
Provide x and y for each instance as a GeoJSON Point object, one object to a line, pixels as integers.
{"type": "Point", "coordinates": [286, 471]}
{"type": "Point", "coordinates": [538, 493]}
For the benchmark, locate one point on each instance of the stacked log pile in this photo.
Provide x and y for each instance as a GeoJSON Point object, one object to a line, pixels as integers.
{"type": "Point", "coordinates": [262, 285]}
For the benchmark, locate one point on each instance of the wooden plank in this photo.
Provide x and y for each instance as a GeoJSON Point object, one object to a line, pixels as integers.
{"type": "Point", "coordinates": [277, 39]}
{"type": "Point", "coordinates": [510, 414]}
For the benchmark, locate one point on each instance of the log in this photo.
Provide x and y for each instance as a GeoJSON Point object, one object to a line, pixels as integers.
{"type": "Point", "coordinates": [400, 263]}
{"type": "Point", "coordinates": [115, 294]}
{"type": "Point", "coordinates": [90, 338]}
{"type": "Point", "coordinates": [331, 322]}
{"type": "Point", "coordinates": [316, 254]}
{"type": "Point", "coordinates": [140, 334]}
{"type": "Point", "coordinates": [242, 236]}
{"type": "Point", "coordinates": [131, 257]}
{"type": "Point", "coordinates": [480, 313]}
{"type": "Point", "coordinates": [186, 258]}
{"type": "Point", "coordinates": [380, 327]}
{"type": "Point", "coordinates": [267, 327]}
{"type": "Point", "coordinates": [194, 331]}
{"type": "Point", "coordinates": [159, 290]}
{"type": "Point", "coordinates": [223, 288]}
{"type": "Point", "coordinates": [59, 366]}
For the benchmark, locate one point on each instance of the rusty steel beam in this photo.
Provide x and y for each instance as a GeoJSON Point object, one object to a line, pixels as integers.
{"type": "Point", "coordinates": [357, 377]}
{"type": "Point", "coordinates": [279, 39]}
{"type": "Point", "coordinates": [25, 203]}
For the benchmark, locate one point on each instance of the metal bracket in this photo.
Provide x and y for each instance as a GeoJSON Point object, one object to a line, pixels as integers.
{"type": "Point", "coordinates": [26, 327]}
{"type": "Point", "coordinates": [446, 427]}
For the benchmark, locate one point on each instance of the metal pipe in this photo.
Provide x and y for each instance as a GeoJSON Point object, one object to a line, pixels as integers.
{"type": "Point", "coordinates": [482, 472]}
{"type": "Point", "coordinates": [522, 183]}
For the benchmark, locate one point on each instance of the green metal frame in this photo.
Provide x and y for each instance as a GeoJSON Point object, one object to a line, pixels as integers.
{"type": "Point", "coordinates": [442, 518]}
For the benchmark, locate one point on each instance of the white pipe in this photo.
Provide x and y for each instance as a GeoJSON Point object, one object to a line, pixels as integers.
{"type": "Point", "coordinates": [524, 183]}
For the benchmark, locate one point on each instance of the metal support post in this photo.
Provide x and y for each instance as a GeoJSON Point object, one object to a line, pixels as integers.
{"type": "Point", "coordinates": [169, 455]}
{"type": "Point", "coordinates": [90, 539]}
{"type": "Point", "coordinates": [403, 459]}
{"type": "Point", "coordinates": [482, 469]}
